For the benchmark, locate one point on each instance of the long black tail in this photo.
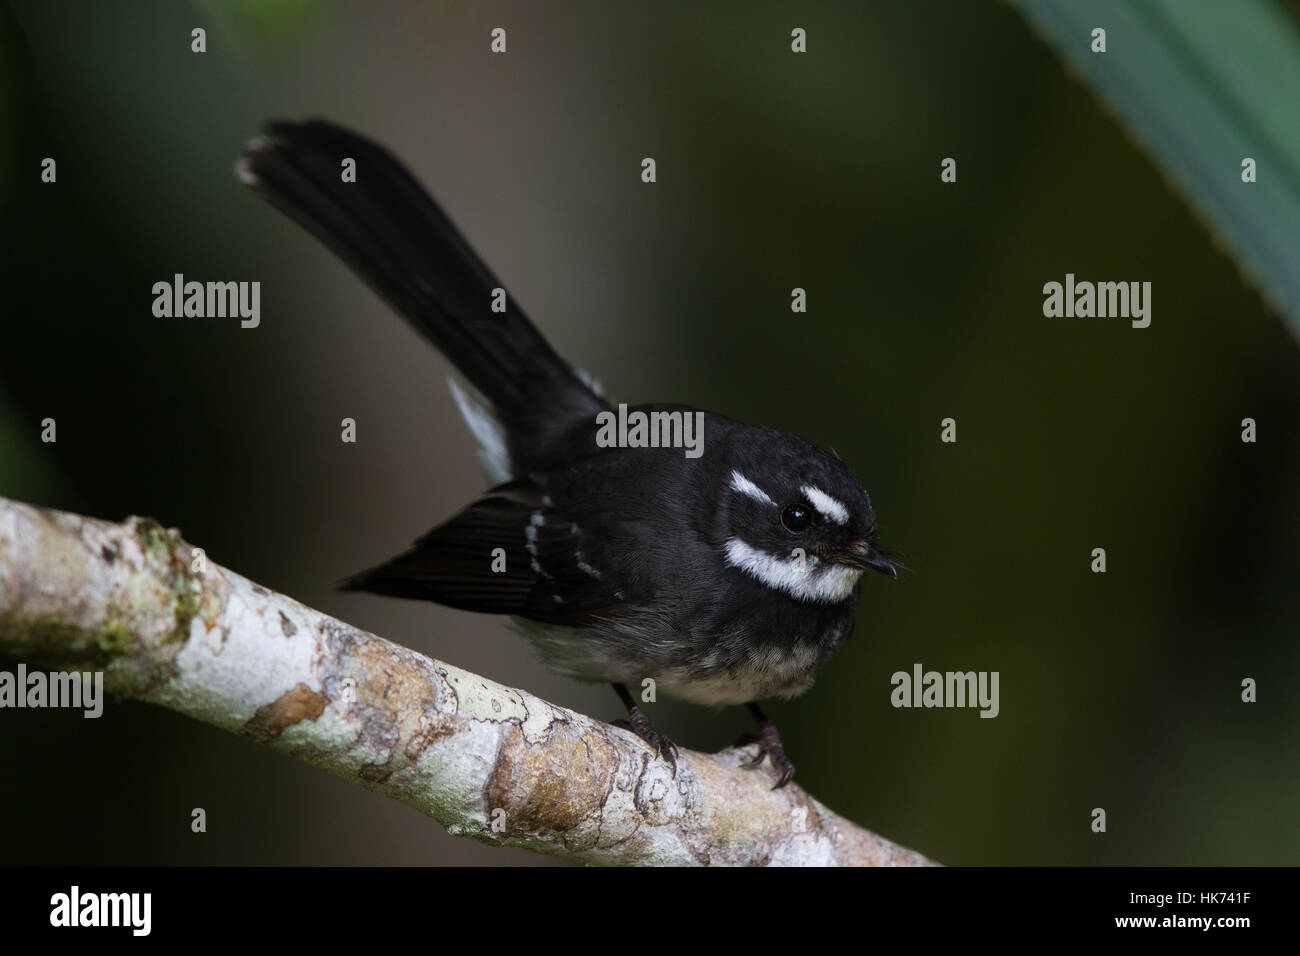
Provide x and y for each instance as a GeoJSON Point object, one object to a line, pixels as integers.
{"type": "Point", "coordinates": [392, 233]}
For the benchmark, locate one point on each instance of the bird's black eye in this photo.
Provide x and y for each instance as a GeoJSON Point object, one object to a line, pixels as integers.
{"type": "Point", "coordinates": [796, 517]}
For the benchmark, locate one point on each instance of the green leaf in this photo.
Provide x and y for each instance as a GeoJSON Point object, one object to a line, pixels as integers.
{"type": "Point", "coordinates": [1202, 84]}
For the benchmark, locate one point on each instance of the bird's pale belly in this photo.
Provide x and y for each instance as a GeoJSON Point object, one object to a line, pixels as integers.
{"type": "Point", "coordinates": [775, 672]}
{"type": "Point", "coordinates": [727, 669]}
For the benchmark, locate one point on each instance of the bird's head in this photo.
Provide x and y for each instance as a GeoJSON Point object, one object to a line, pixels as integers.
{"type": "Point", "coordinates": [796, 519]}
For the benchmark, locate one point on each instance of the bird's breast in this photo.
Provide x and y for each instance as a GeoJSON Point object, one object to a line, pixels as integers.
{"type": "Point", "coordinates": [731, 658]}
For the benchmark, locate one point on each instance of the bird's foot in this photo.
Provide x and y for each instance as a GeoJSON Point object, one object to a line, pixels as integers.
{"type": "Point", "coordinates": [639, 724]}
{"type": "Point", "coordinates": [769, 746]}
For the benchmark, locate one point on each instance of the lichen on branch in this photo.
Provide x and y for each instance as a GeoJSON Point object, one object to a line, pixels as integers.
{"type": "Point", "coordinates": [500, 765]}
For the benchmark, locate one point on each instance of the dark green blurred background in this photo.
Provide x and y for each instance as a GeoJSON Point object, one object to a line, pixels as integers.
{"type": "Point", "coordinates": [1119, 691]}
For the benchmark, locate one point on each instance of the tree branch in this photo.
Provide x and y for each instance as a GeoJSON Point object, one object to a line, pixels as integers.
{"type": "Point", "coordinates": [166, 626]}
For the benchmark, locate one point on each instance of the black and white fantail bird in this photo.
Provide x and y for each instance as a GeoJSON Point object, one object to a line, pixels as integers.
{"type": "Point", "coordinates": [727, 573]}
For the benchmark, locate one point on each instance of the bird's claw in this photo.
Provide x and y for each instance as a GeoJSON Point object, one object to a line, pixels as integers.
{"type": "Point", "coordinates": [662, 746]}
{"type": "Point", "coordinates": [769, 745]}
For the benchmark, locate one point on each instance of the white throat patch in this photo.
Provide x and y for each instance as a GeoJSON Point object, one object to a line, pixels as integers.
{"type": "Point", "coordinates": [805, 578]}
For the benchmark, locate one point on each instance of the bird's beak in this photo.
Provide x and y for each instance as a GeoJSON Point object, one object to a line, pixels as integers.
{"type": "Point", "coordinates": [861, 555]}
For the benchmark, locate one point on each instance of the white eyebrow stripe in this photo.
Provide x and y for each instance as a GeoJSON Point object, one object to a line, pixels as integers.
{"type": "Point", "coordinates": [807, 579]}
{"type": "Point", "coordinates": [746, 487]}
{"type": "Point", "coordinates": [827, 505]}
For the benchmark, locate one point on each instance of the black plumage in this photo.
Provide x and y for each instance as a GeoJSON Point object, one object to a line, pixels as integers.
{"type": "Point", "coordinates": [728, 575]}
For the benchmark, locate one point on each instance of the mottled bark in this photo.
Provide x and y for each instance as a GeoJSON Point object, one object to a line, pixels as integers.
{"type": "Point", "coordinates": [485, 761]}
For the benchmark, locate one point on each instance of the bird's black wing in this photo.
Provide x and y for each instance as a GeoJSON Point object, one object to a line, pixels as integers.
{"type": "Point", "coordinates": [510, 552]}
